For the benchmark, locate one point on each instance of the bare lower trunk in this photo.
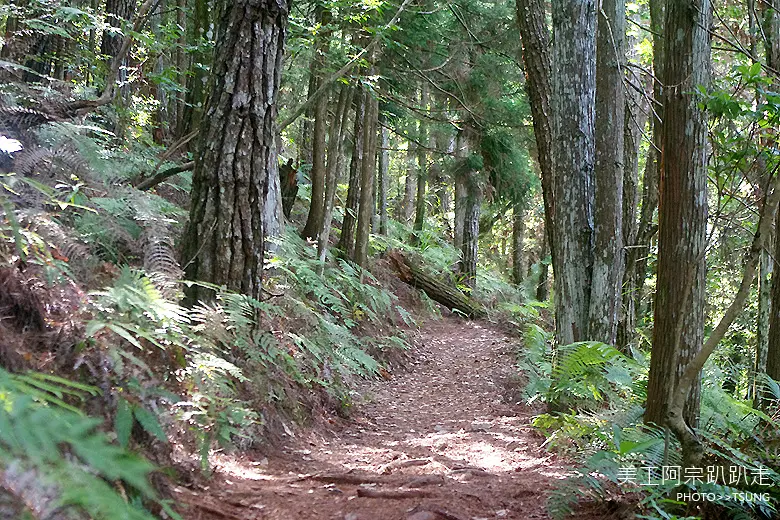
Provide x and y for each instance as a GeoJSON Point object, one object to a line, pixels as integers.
{"type": "Point", "coordinates": [317, 174]}
{"type": "Point", "coordinates": [335, 154]}
{"type": "Point", "coordinates": [574, 89]}
{"type": "Point", "coordinates": [383, 177]}
{"type": "Point", "coordinates": [518, 244]}
{"type": "Point", "coordinates": [347, 238]}
{"type": "Point", "coordinates": [678, 330]}
{"type": "Point", "coordinates": [368, 172]}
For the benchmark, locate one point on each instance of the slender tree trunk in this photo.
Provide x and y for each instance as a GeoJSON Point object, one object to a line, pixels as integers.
{"type": "Point", "coordinates": [518, 244]}
{"type": "Point", "coordinates": [535, 37]}
{"type": "Point", "coordinates": [383, 176]}
{"type": "Point", "coordinates": [472, 203]}
{"type": "Point", "coordinates": [635, 122]}
{"type": "Point", "coordinates": [317, 174]}
{"type": "Point", "coordinates": [367, 174]}
{"type": "Point", "coordinates": [773, 347]}
{"type": "Point", "coordinates": [771, 26]}
{"type": "Point", "coordinates": [574, 89]}
{"type": "Point", "coordinates": [422, 171]}
{"type": "Point", "coordinates": [236, 202]}
{"type": "Point", "coordinates": [410, 185]}
{"type": "Point", "coordinates": [197, 82]}
{"type": "Point", "coordinates": [608, 260]}
{"type": "Point", "coordinates": [542, 286]}
{"type": "Point", "coordinates": [335, 154]}
{"type": "Point", "coordinates": [347, 238]}
{"type": "Point", "coordinates": [461, 152]}
{"type": "Point", "coordinates": [678, 331]}
{"type": "Point", "coordinates": [763, 319]}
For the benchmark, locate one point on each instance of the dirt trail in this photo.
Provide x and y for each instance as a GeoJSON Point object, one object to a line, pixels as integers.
{"type": "Point", "coordinates": [445, 440]}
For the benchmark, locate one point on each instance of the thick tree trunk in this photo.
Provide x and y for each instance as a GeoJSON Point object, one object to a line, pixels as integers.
{"type": "Point", "coordinates": [347, 238]}
{"type": "Point", "coordinates": [317, 174]}
{"type": "Point", "coordinates": [531, 18]}
{"type": "Point", "coordinates": [608, 260]}
{"type": "Point", "coordinates": [235, 196]}
{"type": "Point", "coordinates": [367, 174]}
{"type": "Point", "coordinates": [574, 89]}
{"type": "Point", "coordinates": [678, 331]}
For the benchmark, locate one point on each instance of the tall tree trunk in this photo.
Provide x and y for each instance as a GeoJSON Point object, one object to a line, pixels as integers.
{"type": "Point", "coordinates": [472, 203]}
{"type": "Point", "coordinates": [518, 244]}
{"type": "Point", "coordinates": [347, 238]}
{"type": "Point", "coordinates": [635, 123]}
{"type": "Point", "coordinates": [771, 25]}
{"type": "Point", "coordinates": [367, 174]}
{"type": "Point", "coordinates": [422, 171]}
{"type": "Point", "coordinates": [317, 174]}
{"type": "Point", "coordinates": [608, 260]}
{"type": "Point", "coordinates": [383, 175]}
{"type": "Point", "coordinates": [235, 196]}
{"type": "Point", "coordinates": [461, 152]}
{"type": "Point", "coordinates": [574, 89]}
{"type": "Point", "coordinates": [335, 154]}
{"type": "Point", "coordinates": [531, 18]}
{"type": "Point", "coordinates": [678, 330]}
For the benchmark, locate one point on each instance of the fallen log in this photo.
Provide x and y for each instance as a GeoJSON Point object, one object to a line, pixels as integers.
{"type": "Point", "coordinates": [438, 289]}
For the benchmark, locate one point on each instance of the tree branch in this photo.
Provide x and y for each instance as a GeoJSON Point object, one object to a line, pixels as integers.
{"type": "Point", "coordinates": [325, 85]}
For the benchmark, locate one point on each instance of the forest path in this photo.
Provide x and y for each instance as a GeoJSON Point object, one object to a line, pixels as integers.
{"type": "Point", "coordinates": [447, 439]}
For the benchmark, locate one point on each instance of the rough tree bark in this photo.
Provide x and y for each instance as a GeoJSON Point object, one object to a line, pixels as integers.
{"type": "Point", "coordinates": [771, 25]}
{"type": "Point", "coordinates": [518, 244]}
{"type": "Point", "coordinates": [608, 260]}
{"type": "Point", "coordinates": [235, 189]}
{"type": "Point", "coordinates": [535, 38]}
{"type": "Point", "coordinates": [335, 154]}
{"type": "Point", "coordinates": [383, 176]}
{"type": "Point", "coordinates": [367, 174]}
{"type": "Point", "coordinates": [574, 89]}
{"type": "Point", "coordinates": [678, 331]}
{"type": "Point", "coordinates": [422, 171]}
{"type": "Point", "coordinates": [347, 238]}
{"type": "Point", "coordinates": [317, 175]}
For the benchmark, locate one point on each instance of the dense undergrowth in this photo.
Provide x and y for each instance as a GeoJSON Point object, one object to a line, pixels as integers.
{"type": "Point", "coordinates": [595, 399]}
{"type": "Point", "coordinates": [103, 363]}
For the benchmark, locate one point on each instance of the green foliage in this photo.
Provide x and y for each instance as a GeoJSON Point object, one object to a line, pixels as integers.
{"type": "Point", "coordinates": [54, 457]}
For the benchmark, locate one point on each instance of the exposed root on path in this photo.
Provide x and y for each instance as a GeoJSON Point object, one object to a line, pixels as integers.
{"type": "Point", "coordinates": [446, 440]}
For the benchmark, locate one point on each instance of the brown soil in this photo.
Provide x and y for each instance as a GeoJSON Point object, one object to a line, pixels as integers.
{"type": "Point", "coordinates": [449, 439]}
